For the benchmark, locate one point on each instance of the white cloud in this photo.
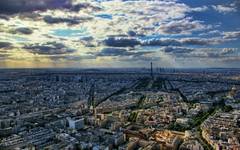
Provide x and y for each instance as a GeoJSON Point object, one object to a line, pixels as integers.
{"type": "Point", "coordinates": [233, 34]}
{"type": "Point", "coordinates": [224, 9]}
{"type": "Point", "coordinates": [182, 26]}
{"type": "Point", "coordinates": [199, 9]}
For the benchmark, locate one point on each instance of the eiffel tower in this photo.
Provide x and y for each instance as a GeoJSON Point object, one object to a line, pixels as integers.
{"type": "Point", "coordinates": [91, 101]}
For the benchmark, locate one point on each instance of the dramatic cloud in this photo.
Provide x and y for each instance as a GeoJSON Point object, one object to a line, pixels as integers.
{"type": "Point", "coordinates": [24, 30]}
{"type": "Point", "coordinates": [234, 34]}
{"type": "Point", "coordinates": [200, 9]}
{"type": "Point", "coordinates": [119, 31]}
{"type": "Point", "coordinates": [3, 56]}
{"type": "Point", "coordinates": [215, 53]}
{"type": "Point", "coordinates": [230, 51]}
{"type": "Point", "coordinates": [182, 26]}
{"type": "Point", "coordinates": [50, 48]}
{"type": "Point", "coordinates": [55, 20]}
{"type": "Point", "coordinates": [4, 17]}
{"type": "Point", "coordinates": [134, 41]}
{"type": "Point", "coordinates": [78, 7]}
{"type": "Point", "coordinates": [16, 6]}
{"type": "Point", "coordinates": [179, 42]}
{"type": "Point", "coordinates": [113, 52]}
{"type": "Point", "coordinates": [121, 42]}
{"type": "Point", "coordinates": [70, 57]}
{"type": "Point", "coordinates": [5, 45]}
{"type": "Point", "coordinates": [212, 33]}
{"type": "Point", "coordinates": [160, 42]}
{"type": "Point", "coordinates": [201, 41]}
{"type": "Point", "coordinates": [120, 52]}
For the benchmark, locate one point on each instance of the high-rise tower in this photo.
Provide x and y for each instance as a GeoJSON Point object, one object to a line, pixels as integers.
{"type": "Point", "coordinates": [151, 70]}
{"type": "Point", "coordinates": [91, 102]}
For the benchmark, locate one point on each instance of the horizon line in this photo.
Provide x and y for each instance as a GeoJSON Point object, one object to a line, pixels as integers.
{"type": "Point", "coordinates": [100, 68]}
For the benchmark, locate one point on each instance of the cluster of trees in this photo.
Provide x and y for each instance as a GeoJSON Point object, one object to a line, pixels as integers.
{"type": "Point", "coordinates": [143, 83]}
{"type": "Point", "coordinates": [201, 117]}
{"type": "Point", "coordinates": [133, 117]}
{"type": "Point", "coordinates": [159, 84]}
{"type": "Point", "coordinates": [177, 127]}
{"type": "Point", "coordinates": [223, 107]}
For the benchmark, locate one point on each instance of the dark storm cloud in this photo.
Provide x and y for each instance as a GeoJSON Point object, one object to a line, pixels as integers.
{"type": "Point", "coordinates": [70, 21]}
{"type": "Point", "coordinates": [78, 7]}
{"type": "Point", "coordinates": [120, 52]}
{"type": "Point", "coordinates": [113, 52]}
{"type": "Point", "coordinates": [160, 42]}
{"type": "Point", "coordinates": [88, 41]}
{"type": "Point", "coordinates": [55, 20]}
{"type": "Point", "coordinates": [121, 42]}
{"type": "Point", "coordinates": [4, 45]}
{"type": "Point", "coordinates": [35, 16]}
{"type": "Point", "coordinates": [132, 33]}
{"type": "Point", "coordinates": [134, 41]}
{"type": "Point", "coordinates": [20, 6]}
{"type": "Point", "coordinates": [16, 6]}
{"type": "Point", "coordinates": [24, 30]}
{"type": "Point", "coordinates": [49, 48]}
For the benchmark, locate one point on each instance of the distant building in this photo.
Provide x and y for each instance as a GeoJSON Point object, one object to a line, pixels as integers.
{"type": "Point", "coordinates": [76, 123]}
{"type": "Point", "coordinates": [183, 121]}
{"type": "Point", "coordinates": [232, 92]}
{"type": "Point", "coordinates": [191, 145]}
{"type": "Point", "coordinates": [168, 139]}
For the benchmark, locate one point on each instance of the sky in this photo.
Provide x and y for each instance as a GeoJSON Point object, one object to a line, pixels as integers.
{"type": "Point", "coordinates": [119, 33]}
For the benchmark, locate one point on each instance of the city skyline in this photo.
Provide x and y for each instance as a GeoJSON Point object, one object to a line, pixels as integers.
{"type": "Point", "coordinates": [119, 34]}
